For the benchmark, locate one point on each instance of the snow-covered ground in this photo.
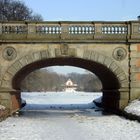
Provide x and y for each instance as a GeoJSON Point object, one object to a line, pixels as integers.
{"type": "Point", "coordinates": [60, 100]}
{"type": "Point", "coordinates": [66, 116]}
{"type": "Point", "coordinates": [134, 108]}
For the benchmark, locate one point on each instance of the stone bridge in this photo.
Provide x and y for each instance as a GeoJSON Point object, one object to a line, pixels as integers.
{"type": "Point", "coordinates": [111, 50]}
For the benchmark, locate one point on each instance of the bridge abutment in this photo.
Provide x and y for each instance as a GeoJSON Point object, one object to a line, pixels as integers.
{"type": "Point", "coordinates": [115, 99]}
{"type": "Point", "coordinates": [123, 99]}
{"type": "Point", "coordinates": [11, 100]}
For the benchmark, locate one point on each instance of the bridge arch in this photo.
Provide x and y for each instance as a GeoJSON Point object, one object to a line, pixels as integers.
{"type": "Point", "coordinates": [112, 76]}
{"type": "Point", "coordinates": [107, 77]}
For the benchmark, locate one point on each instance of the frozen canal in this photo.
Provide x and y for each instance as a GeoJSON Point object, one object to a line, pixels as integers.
{"type": "Point", "coordinates": [63, 116]}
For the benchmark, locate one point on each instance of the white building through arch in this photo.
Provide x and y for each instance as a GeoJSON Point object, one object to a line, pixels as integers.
{"type": "Point", "coordinates": [70, 86]}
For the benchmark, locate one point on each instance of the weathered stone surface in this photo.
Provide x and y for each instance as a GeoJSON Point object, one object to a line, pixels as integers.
{"type": "Point", "coordinates": [88, 55]}
{"type": "Point", "coordinates": [101, 59]}
{"type": "Point", "coordinates": [122, 77]}
{"type": "Point", "coordinates": [91, 55]}
{"type": "Point", "coordinates": [119, 53]}
{"type": "Point", "coordinates": [134, 69]}
{"type": "Point", "coordinates": [124, 95]}
{"type": "Point", "coordinates": [9, 53]}
{"type": "Point", "coordinates": [113, 66]}
{"type": "Point", "coordinates": [5, 96]}
{"type": "Point", "coordinates": [17, 65]}
{"type": "Point", "coordinates": [96, 56]}
{"type": "Point", "coordinates": [23, 61]}
{"type": "Point", "coordinates": [125, 84]}
{"type": "Point", "coordinates": [64, 51]}
{"type": "Point", "coordinates": [135, 54]}
{"type": "Point", "coordinates": [7, 77]}
{"type": "Point", "coordinates": [72, 52]}
{"type": "Point", "coordinates": [5, 102]}
{"type": "Point", "coordinates": [12, 70]}
{"type": "Point", "coordinates": [135, 84]}
{"type": "Point", "coordinates": [45, 54]}
{"type": "Point", "coordinates": [7, 83]}
{"type": "Point", "coordinates": [29, 59]}
{"type": "Point", "coordinates": [36, 56]}
{"type": "Point", "coordinates": [123, 103]}
{"type": "Point", "coordinates": [118, 70]}
{"type": "Point", "coordinates": [107, 62]}
{"type": "Point", "coordinates": [135, 93]}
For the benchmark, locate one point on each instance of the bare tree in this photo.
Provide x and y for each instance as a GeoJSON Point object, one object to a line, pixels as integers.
{"type": "Point", "coordinates": [48, 80]}
{"type": "Point", "coordinates": [14, 10]}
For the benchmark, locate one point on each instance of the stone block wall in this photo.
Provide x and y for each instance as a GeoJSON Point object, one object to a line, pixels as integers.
{"type": "Point", "coordinates": [134, 71]}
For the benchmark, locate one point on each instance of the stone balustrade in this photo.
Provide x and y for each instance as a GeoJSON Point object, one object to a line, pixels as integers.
{"type": "Point", "coordinates": [58, 31]}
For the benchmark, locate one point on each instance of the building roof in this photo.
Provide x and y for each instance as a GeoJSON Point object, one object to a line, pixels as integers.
{"type": "Point", "coordinates": [70, 83]}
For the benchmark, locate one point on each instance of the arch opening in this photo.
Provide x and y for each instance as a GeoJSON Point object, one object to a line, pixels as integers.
{"type": "Point", "coordinates": [61, 78]}
{"type": "Point", "coordinates": [110, 82]}
{"type": "Point", "coordinates": [107, 77]}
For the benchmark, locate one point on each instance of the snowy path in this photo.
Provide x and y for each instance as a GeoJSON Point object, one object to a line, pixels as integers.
{"type": "Point", "coordinates": [75, 124]}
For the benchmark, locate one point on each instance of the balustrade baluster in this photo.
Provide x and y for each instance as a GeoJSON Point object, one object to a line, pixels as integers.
{"type": "Point", "coordinates": [44, 29]}
{"type": "Point", "coordinates": [77, 29]}
{"type": "Point", "coordinates": [106, 30]}
{"type": "Point", "coordinates": [117, 30]}
{"type": "Point", "coordinates": [91, 30]}
{"type": "Point", "coordinates": [80, 30]}
{"type": "Point", "coordinates": [58, 31]}
{"type": "Point", "coordinates": [124, 30]}
{"type": "Point", "coordinates": [55, 30]}
{"type": "Point", "coordinates": [72, 30]}
{"type": "Point", "coordinates": [103, 30]}
{"type": "Point", "coordinates": [113, 29]}
{"type": "Point", "coordinates": [83, 30]}
{"type": "Point", "coordinates": [87, 30]}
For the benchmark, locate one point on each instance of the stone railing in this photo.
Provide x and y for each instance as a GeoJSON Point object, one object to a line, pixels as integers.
{"type": "Point", "coordinates": [70, 31]}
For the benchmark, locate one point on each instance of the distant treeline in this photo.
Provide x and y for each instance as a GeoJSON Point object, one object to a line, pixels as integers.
{"type": "Point", "coordinates": [47, 80]}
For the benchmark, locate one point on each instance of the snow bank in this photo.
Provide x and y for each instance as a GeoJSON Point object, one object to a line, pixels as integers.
{"type": "Point", "coordinates": [133, 108]}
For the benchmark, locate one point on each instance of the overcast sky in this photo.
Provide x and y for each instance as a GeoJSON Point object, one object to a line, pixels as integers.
{"type": "Point", "coordinates": [91, 10]}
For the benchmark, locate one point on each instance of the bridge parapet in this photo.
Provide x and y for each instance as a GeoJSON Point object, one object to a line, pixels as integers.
{"type": "Point", "coordinates": [75, 31]}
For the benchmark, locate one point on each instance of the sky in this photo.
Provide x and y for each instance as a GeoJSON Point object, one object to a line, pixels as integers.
{"type": "Point", "coordinates": [67, 69]}
{"type": "Point", "coordinates": [84, 10]}
{"type": "Point", "coordinates": [91, 10]}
